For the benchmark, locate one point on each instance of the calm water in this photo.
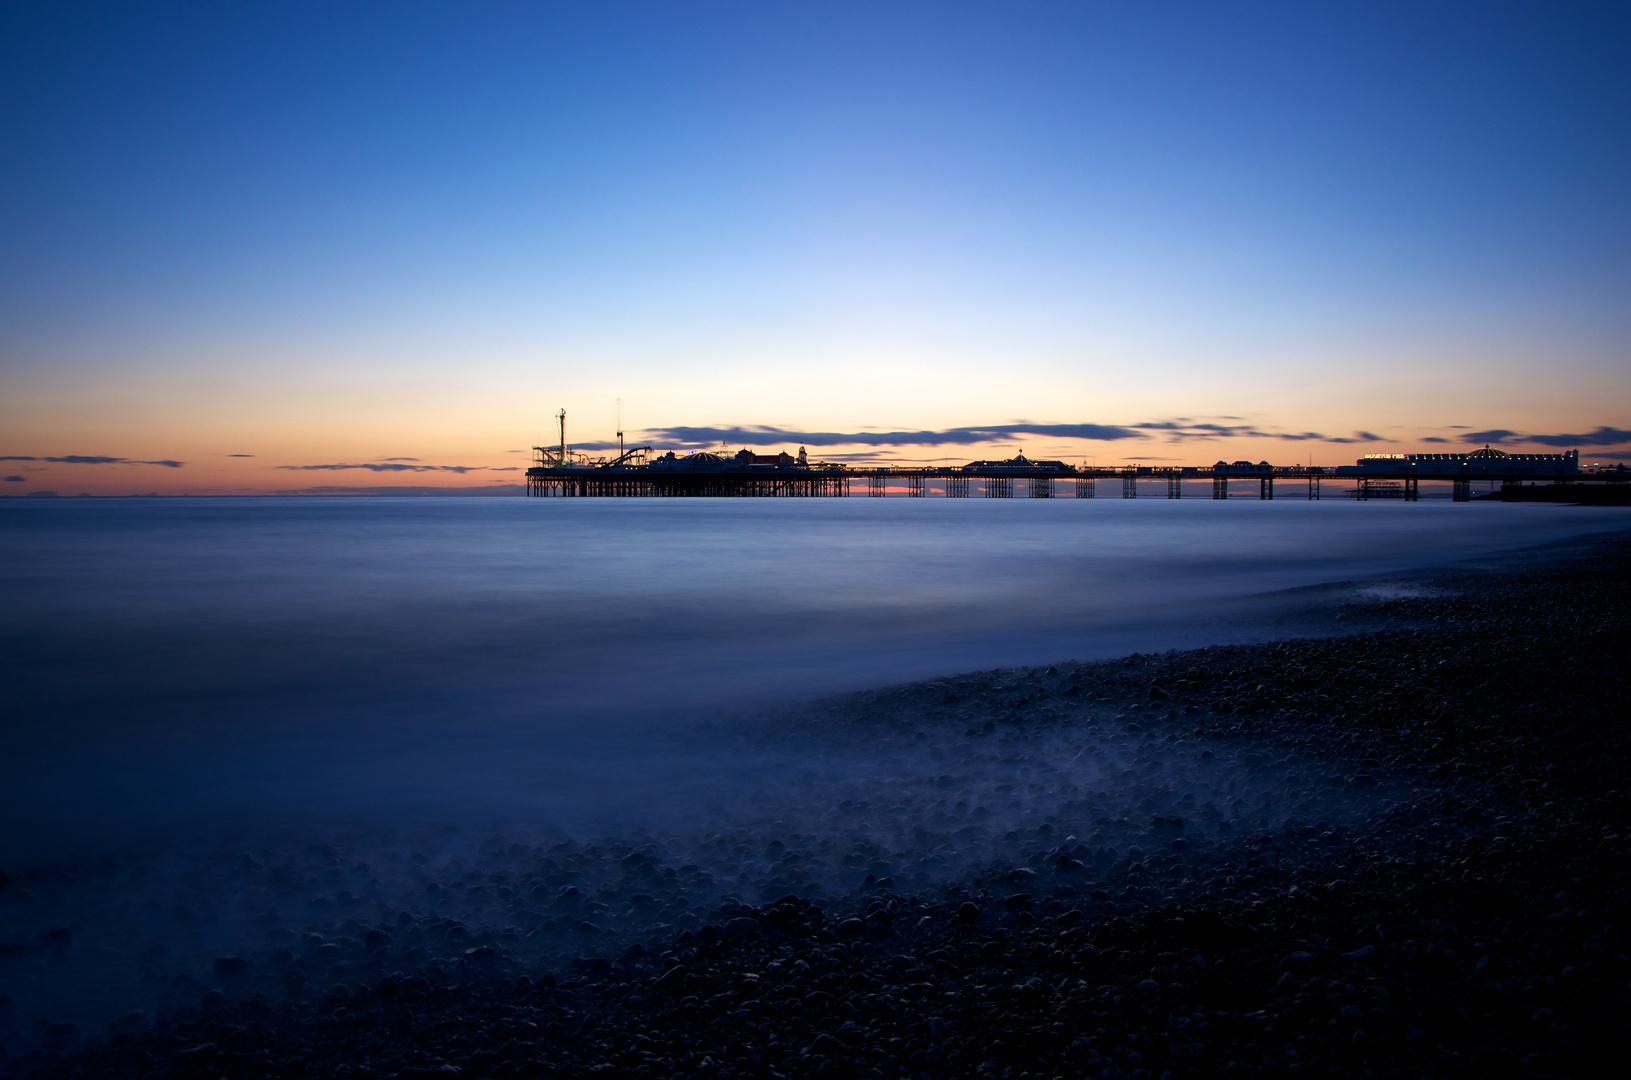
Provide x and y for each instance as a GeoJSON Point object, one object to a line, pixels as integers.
{"type": "Point", "coordinates": [228, 724]}
{"type": "Point", "coordinates": [179, 659]}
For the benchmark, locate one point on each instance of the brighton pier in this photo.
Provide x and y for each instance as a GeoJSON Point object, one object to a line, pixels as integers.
{"type": "Point", "coordinates": [641, 472]}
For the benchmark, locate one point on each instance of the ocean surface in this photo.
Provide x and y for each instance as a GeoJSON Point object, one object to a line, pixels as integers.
{"type": "Point", "coordinates": [174, 662]}
{"type": "Point", "coordinates": [245, 729]}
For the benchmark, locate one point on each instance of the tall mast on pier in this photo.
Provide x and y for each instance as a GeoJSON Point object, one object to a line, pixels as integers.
{"type": "Point", "coordinates": [560, 418]}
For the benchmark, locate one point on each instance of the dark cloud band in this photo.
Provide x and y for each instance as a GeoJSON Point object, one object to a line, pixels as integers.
{"type": "Point", "coordinates": [1603, 436]}
{"type": "Point", "coordinates": [1170, 430]}
{"type": "Point", "coordinates": [387, 466]}
{"type": "Point", "coordinates": [93, 459]}
{"type": "Point", "coordinates": [771, 436]}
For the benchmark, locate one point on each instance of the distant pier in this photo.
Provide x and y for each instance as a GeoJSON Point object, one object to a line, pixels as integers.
{"type": "Point", "coordinates": [641, 473]}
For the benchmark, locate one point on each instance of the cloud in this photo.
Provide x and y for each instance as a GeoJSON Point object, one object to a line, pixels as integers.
{"type": "Point", "coordinates": [1186, 429]}
{"type": "Point", "coordinates": [374, 466]}
{"type": "Point", "coordinates": [16, 480]}
{"type": "Point", "coordinates": [755, 435]}
{"type": "Point", "coordinates": [93, 459]}
{"type": "Point", "coordinates": [1182, 429]}
{"type": "Point", "coordinates": [1603, 436]}
{"type": "Point", "coordinates": [1434, 438]}
{"type": "Point", "coordinates": [399, 459]}
{"type": "Point", "coordinates": [240, 455]}
{"type": "Point", "coordinates": [1176, 430]}
{"type": "Point", "coordinates": [1497, 436]}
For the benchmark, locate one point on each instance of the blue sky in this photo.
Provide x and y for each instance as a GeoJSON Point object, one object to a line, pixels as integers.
{"type": "Point", "coordinates": [341, 233]}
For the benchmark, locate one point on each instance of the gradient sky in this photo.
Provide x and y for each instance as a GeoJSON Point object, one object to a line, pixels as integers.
{"type": "Point", "coordinates": [397, 237]}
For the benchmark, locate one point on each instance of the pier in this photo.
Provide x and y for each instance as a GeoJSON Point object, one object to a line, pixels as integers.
{"type": "Point", "coordinates": [641, 473]}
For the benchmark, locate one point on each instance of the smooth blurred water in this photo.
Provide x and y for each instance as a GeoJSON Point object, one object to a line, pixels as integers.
{"type": "Point", "coordinates": [172, 659]}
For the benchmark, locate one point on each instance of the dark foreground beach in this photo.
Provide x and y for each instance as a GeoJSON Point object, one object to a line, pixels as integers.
{"type": "Point", "coordinates": [1401, 851]}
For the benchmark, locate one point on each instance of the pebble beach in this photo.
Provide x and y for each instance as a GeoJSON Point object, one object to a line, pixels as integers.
{"type": "Point", "coordinates": [1396, 851]}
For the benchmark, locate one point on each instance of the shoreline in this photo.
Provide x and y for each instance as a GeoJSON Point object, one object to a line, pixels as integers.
{"type": "Point", "coordinates": [1465, 921]}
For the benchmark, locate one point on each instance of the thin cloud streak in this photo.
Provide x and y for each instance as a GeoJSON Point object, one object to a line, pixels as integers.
{"type": "Point", "coordinates": [1172, 431]}
{"type": "Point", "coordinates": [1603, 436]}
{"type": "Point", "coordinates": [390, 466]}
{"type": "Point", "coordinates": [1494, 437]}
{"type": "Point", "coordinates": [771, 436]}
{"type": "Point", "coordinates": [93, 459]}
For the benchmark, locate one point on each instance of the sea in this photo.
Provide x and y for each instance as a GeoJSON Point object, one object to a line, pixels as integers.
{"type": "Point", "coordinates": [175, 662]}
{"type": "Point", "coordinates": [235, 730]}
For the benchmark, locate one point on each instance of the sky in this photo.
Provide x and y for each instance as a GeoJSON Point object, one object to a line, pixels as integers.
{"type": "Point", "coordinates": [330, 247]}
